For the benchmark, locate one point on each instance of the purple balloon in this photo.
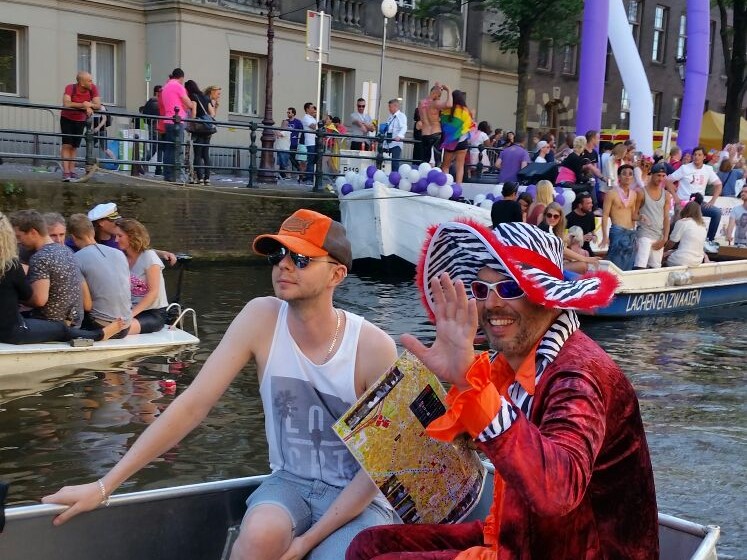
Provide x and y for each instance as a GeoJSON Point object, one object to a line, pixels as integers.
{"type": "Point", "coordinates": [532, 189]}
{"type": "Point", "coordinates": [497, 198]}
{"type": "Point", "coordinates": [490, 196]}
{"type": "Point", "coordinates": [560, 199]}
{"type": "Point", "coordinates": [456, 187]}
{"type": "Point", "coordinates": [369, 183]}
{"type": "Point", "coordinates": [440, 179]}
{"type": "Point", "coordinates": [432, 174]}
{"type": "Point", "coordinates": [394, 178]}
{"type": "Point", "coordinates": [370, 170]}
{"type": "Point", "coordinates": [421, 186]}
{"type": "Point", "coordinates": [347, 188]}
{"type": "Point", "coordinates": [559, 190]}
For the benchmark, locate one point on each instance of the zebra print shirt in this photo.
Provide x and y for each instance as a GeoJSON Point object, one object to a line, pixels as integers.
{"type": "Point", "coordinates": [563, 327]}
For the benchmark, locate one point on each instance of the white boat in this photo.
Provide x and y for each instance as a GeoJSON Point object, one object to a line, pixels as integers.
{"type": "Point", "coordinates": [201, 521]}
{"type": "Point", "coordinates": [24, 358]}
{"type": "Point", "coordinates": [676, 289]}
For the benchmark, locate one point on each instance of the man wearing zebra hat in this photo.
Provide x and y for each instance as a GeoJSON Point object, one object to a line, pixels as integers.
{"type": "Point", "coordinates": [555, 415]}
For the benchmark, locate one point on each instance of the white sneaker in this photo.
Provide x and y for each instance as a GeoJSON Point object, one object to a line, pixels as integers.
{"type": "Point", "coordinates": [711, 246]}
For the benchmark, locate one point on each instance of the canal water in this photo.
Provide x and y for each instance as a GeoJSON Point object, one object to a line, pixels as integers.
{"type": "Point", "coordinates": [70, 426]}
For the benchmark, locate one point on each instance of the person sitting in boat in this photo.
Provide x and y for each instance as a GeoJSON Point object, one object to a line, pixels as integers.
{"type": "Point", "coordinates": [104, 217]}
{"type": "Point", "coordinates": [575, 263]}
{"type": "Point", "coordinates": [52, 288]}
{"type": "Point", "coordinates": [690, 234]}
{"type": "Point", "coordinates": [736, 231]}
{"type": "Point", "coordinates": [147, 286]}
{"type": "Point", "coordinates": [313, 362]}
{"type": "Point", "coordinates": [552, 411]}
{"type": "Point", "coordinates": [106, 275]}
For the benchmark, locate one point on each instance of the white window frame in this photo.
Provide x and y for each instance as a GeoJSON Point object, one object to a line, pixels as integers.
{"type": "Point", "coordinates": [624, 109]}
{"type": "Point", "coordinates": [17, 92]}
{"type": "Point", "coordinates": [659, 39]}
{"type": "Point", "coordinates": [408, 4]}
{"type": "Point", "coordinates": [682, 37]}
{"type": "Point", "coordinates": [92, 43]}
{"type": "Point", "coordinates": [550, 46]}
{"type": "Point", "coordinates": [326, 101]}
{"type": "Point", "coordinates": [656, 100]}
{"type": "Point", "coordinates": [634, 10]}
{"type": "Point", "coordinates": [676, 112]}
{"type": "Point", "coordinates": [421, 87]}
{"type": "Point", "coordinates": [237, 107]}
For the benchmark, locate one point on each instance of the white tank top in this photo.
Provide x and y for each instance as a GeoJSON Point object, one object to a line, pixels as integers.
{"type": "Point", "coordinates": [302, 400]}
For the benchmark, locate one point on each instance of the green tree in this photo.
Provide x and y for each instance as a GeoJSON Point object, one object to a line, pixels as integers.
{"type": "Point", "coordinates": [523, 21]}
{"type": "Point", "coordinates": [734, 49]}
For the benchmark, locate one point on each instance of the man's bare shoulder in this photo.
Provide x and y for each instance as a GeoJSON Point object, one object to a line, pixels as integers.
{"type": "Point", "coordinates": [256, 314]}
{"type": "Point", "coordinates": [376, 353]}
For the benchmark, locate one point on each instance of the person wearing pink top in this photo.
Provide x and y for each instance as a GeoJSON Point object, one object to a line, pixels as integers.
{"type": "Point", "coordinates": [173, 98]}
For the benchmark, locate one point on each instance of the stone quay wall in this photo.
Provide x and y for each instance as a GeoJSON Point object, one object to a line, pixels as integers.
{"type": "Point", "coordinates": [216, 224]}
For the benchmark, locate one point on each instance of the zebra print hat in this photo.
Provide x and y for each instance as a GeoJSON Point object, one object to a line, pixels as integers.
{"type": "Point", "coordinates": [533, 258]}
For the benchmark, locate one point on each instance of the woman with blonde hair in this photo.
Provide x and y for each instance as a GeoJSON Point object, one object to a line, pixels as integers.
{"type": "Point", "coordinates": [147, 287]}
{"type": "Point", "coordinates": [545, 195]}
{"type": "Point", "coordinates": [573, 262]}
{"type": "Point", "coordinates": [14, 289]}
{"type": "Point", "coordinates": [690, 232]}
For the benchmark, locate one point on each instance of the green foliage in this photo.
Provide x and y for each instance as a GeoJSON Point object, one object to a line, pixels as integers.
{"type": "Point", "coordinates": [540, 19]}
{"type": "Point", "coordinates": [11, 189]}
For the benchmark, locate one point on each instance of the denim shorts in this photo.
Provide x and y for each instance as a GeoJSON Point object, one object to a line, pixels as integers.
{"type": "Point", "coordinates": [307, 500]}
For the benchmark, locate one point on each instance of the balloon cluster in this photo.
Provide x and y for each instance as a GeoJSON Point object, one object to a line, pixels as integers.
{"type": "Point", "coordinates": [422, 179]}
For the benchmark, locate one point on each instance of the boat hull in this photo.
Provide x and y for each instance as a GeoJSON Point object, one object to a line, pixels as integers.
{"type": "Point", "coordinates": [25, 358]}
{"type": "Point", "coordinates": [199, 521]}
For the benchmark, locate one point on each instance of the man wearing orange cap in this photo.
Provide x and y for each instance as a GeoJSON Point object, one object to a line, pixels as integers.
{"type": "Point", "coordinates": [557, 418]}
{"type": "Point", "coordinates": [313, 361]}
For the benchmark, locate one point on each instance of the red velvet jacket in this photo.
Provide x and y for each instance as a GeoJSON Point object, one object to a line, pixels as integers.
{"type": "Point", "coordinates": [578, 477]}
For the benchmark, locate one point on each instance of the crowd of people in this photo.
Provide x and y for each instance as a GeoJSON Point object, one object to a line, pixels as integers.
{"type": "Point", "coordinates": [92, 276]}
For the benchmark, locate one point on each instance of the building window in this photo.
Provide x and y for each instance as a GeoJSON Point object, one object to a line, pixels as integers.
{"type": "Point", "coordinates": [682, 37]}
{"type": "Point", "coordinates": [676, 112]}
{"type": "Point", "coordinates": [608, 63]}
{"type": "Point", "coordinates": [333, 93]}
{"type": "Point", "coordinates": [243, 80]}
{"type": "Point", "coordinates": [635, 10]}
{"type": "Point", "coordinates": [624, 108]}
{"type": "Point", "coordinates": [544, 54]}
{"type": "Point", "coordinates": [411, 92]}
{"type": "Point", "coordinates": [408, 4]}
{"type": "Point", "coordinates": [99, 58]}
{"type": "Point", "coordinates": [9, 64]}
{"type": "Point", "coordinates": [660, 34]}
{"type": "Point", "coordinates": [656, 99]}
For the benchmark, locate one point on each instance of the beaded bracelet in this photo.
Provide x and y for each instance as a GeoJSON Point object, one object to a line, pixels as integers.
{"type": "Point", "coordinates": [104, 497]}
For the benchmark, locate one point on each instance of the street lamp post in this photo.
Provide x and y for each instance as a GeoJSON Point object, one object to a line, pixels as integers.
{"type": "Point", "coordinates": [388, 10]}
{"type": "Point", "coordinates": [267, 160]}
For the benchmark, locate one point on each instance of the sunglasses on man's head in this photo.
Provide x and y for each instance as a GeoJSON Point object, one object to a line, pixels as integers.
{"type": "Point", "coordinates": [553, 216]}
{"type": "Point", "coordinates": [505, 289]}
{"type": "Point", "coordinates": [300, 261]}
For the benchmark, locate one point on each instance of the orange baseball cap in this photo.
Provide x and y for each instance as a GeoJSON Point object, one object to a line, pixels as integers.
{"type": "Point", "coordinates": [308, 233]}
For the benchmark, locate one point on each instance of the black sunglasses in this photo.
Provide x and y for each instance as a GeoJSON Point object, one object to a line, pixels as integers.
{"type": "Point", "coordinates": [505, 289]}
{"type": "Point", "coordinates": [553, 216]}
{"type": "Point", "coordinates": [301, 261]}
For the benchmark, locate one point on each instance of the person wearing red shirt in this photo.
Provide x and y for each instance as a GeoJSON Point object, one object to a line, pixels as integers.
{"type": "Point", "coordinates": [83, 94]}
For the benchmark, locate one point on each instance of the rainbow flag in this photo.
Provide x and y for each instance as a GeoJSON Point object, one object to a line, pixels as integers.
{"type": "Point", "coordinates": [455, 126]}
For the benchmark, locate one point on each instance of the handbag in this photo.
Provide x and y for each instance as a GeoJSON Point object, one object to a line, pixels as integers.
{"type": "Point", "coordinates": [204, 125]}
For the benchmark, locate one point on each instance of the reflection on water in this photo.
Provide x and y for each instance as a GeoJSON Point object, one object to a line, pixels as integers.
{"type": "Point", "coordinates": [72, 425]}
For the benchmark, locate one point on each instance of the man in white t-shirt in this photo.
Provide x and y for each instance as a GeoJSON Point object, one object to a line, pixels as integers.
{"type": "Point", "coordinates": [736, 232]}
{"type": "Point", "coordinates": [309, 139]}
{"type": "Point", "coordinates": [693, 179]}
{"type": "Point", "coordinates": [361, 124]}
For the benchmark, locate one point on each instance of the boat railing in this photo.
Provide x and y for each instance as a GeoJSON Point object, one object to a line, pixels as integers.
{"type": "Point", "coordinates": [181, 314]}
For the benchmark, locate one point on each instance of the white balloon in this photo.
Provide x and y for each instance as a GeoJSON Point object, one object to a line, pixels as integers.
{"type": "Point", "coordinates": [487, 204]}
{"type": "Point", "coordinates": [350, 177]}
{"type": "Point", "coordinates": [424, 168]}
{"type": "Point", "coordinates": [404, 169]}
{"type": "Point", "coordinates": [339, 182]}
{"type": "Point", "coordinates": [478, 199]}
{"type": "Point", "coordinates": [380, 177]}
{"type": "Point", "coordinates": [449, 179]}
{"type": "Point", "coordinates": [358, 183]}
{"type": "Point", "coordinates": [569, 196]}
{"type": "Point", "coordinates": [405, 185]}
{"type": "Point", "coordinates": [433, 189]}
{"type": "Point", "coordinates": [445, 192]}
{"type": "Point", "coordinates": [498, 190]}
{"type": "Point", "coordinates": [413, 175]}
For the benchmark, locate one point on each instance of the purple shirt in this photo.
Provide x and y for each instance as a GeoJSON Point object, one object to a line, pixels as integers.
{"type": "Point", "coordinates": [297, 125]}
{"type": "Point", "coordinates": [511, 160]}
